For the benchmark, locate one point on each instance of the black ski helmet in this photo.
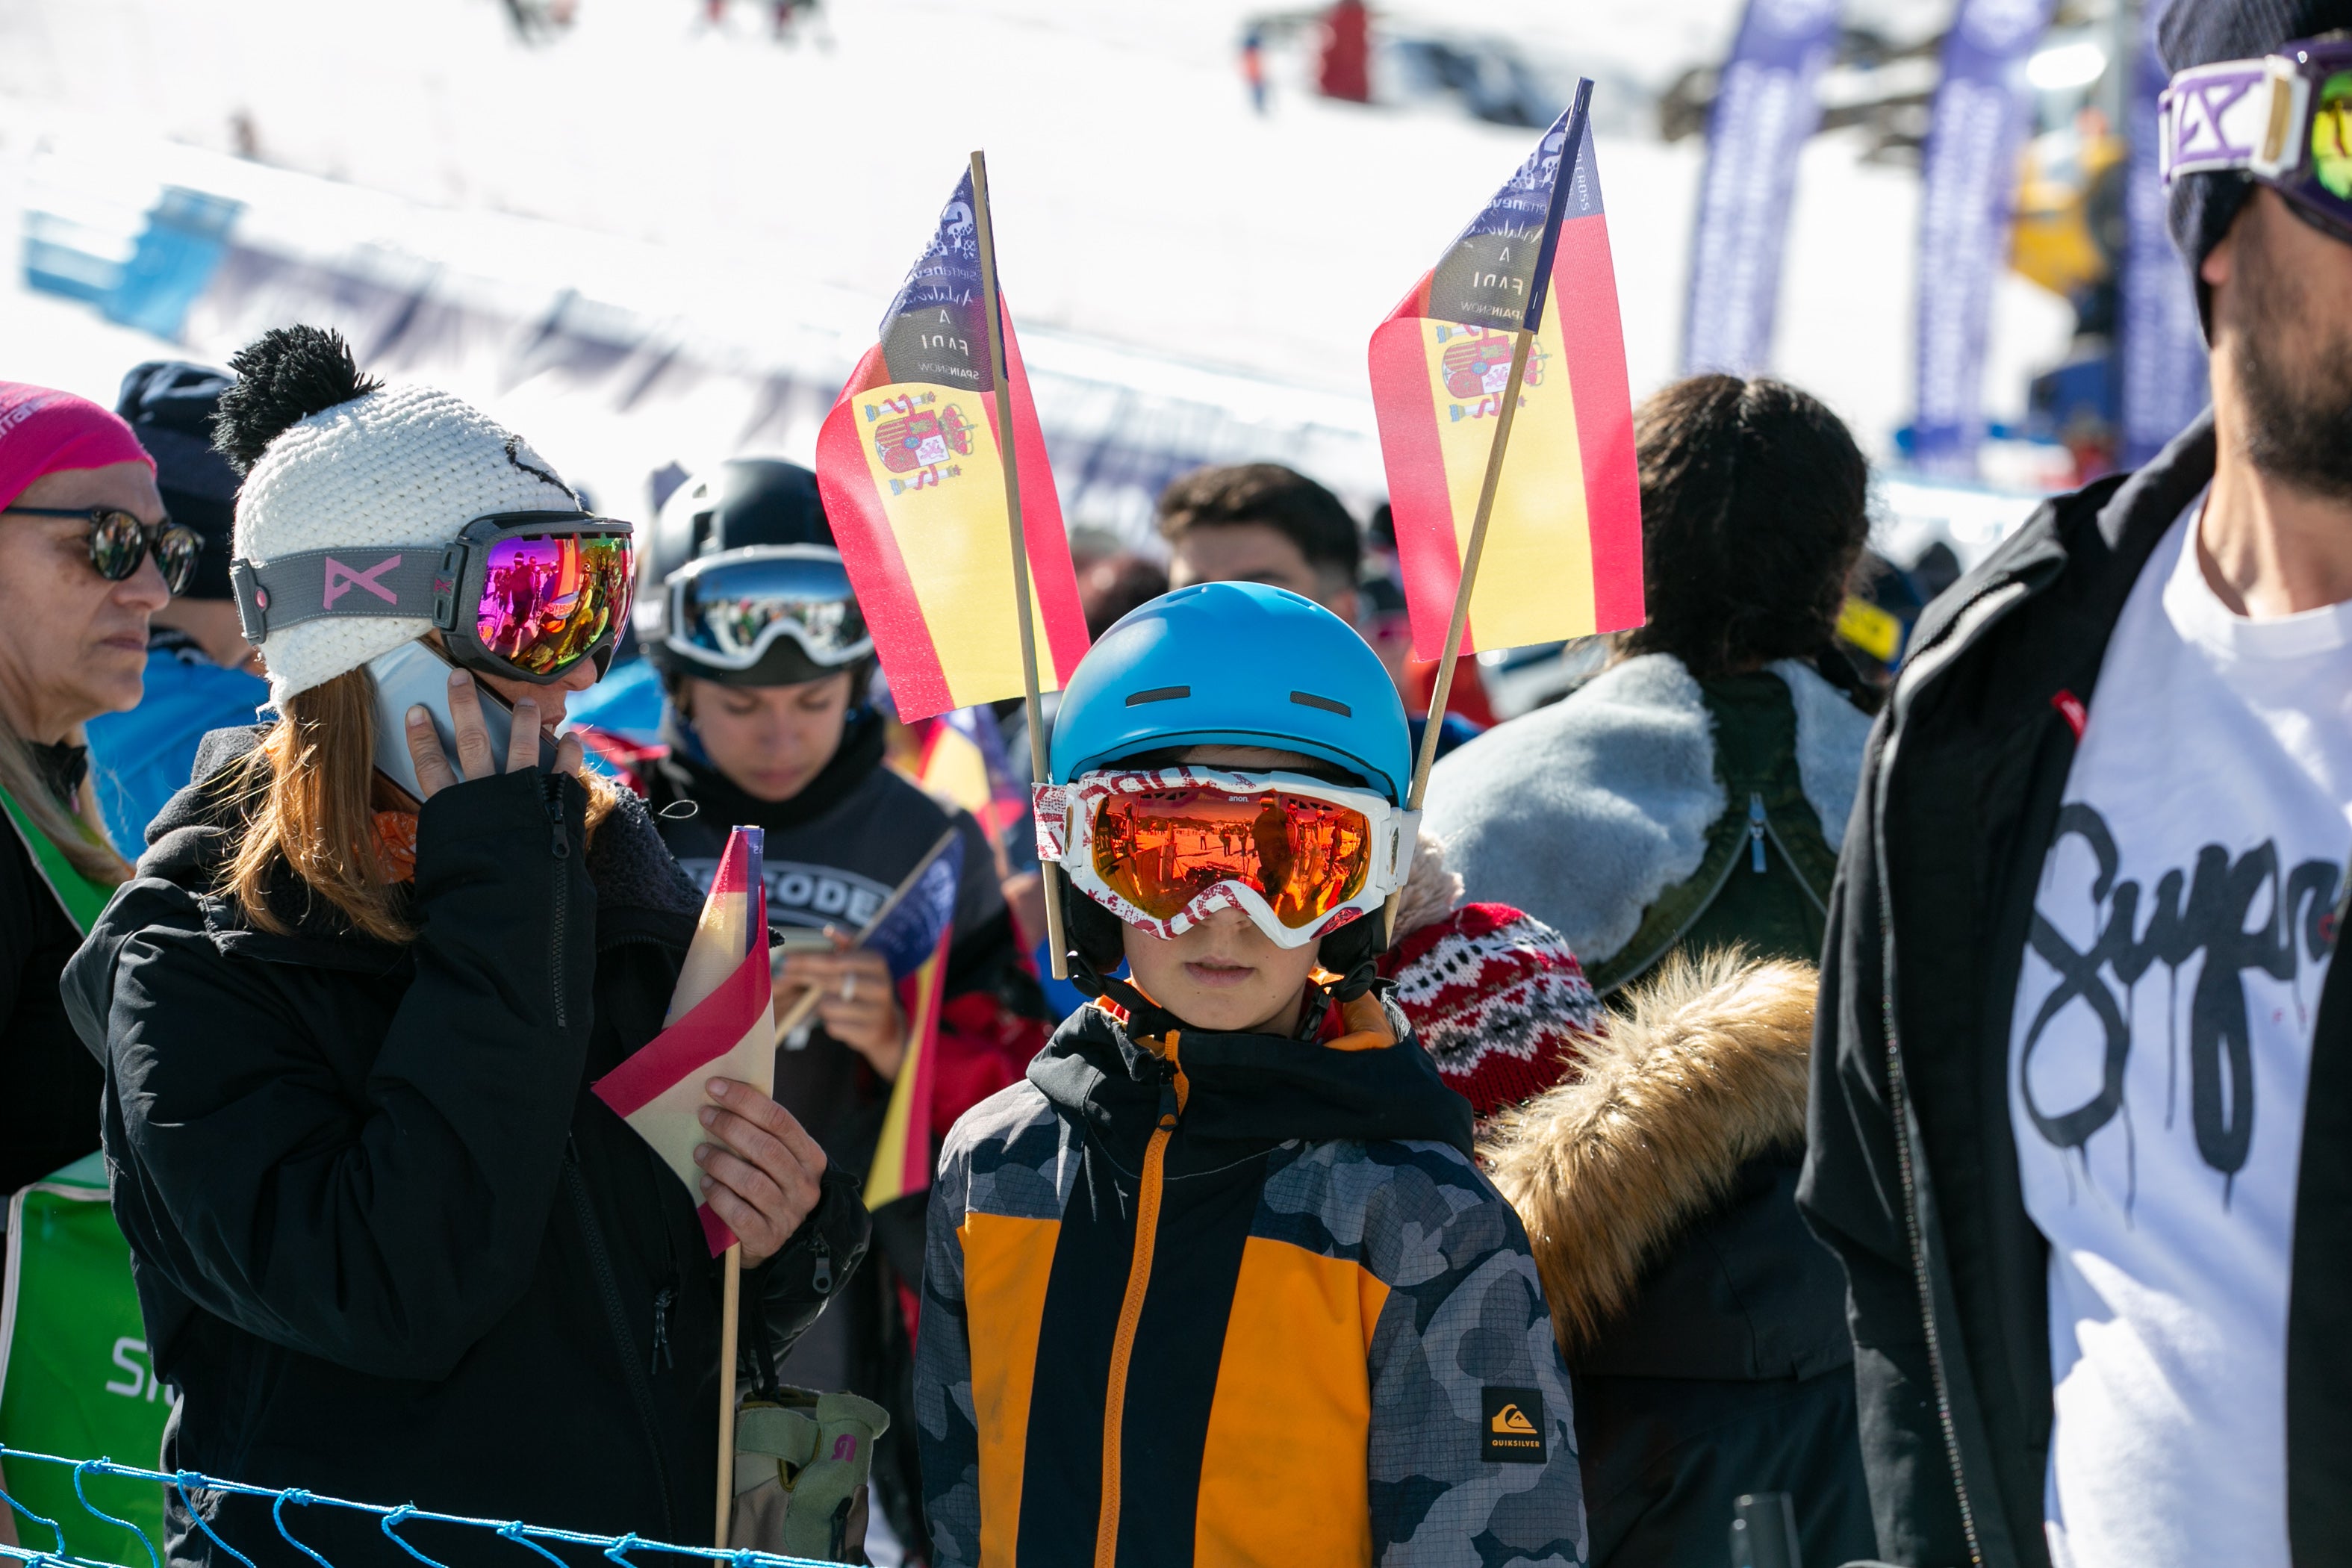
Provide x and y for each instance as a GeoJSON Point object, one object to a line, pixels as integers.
{"type": "Point", "coordinates": [746, 510]}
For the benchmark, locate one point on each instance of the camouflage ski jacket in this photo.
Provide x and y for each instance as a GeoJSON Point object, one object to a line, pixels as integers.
{"type": "Point", "coordinates": [1234, 1299]}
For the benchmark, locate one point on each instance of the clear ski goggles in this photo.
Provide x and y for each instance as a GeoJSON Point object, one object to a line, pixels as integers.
{"type": "Point", "coordinates": [727, 611]}
{"type": "Point", "coordinates": [2286, 120]}
{"type": "Point", "coordinates": [1166, 848]}
{"type": "Point", "coordinates": [526, 594]}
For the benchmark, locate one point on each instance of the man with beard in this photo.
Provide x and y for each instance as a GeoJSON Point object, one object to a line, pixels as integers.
{"type": "Point", "coordinates": [2081, 1128]}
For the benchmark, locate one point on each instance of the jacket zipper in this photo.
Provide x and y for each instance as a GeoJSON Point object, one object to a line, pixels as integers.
{"type": "Point", "coordinates": [1922, 667]}
{"type": "Point", "coordinates": [1730, 864]}
{"type": "Point", "coordinates": [641, 1392]}
{"type": "Point", "coordinates": [1763, 824]}
{"type": "Point", "coordinates": [561, 844]}
{"type": "Point", "coordinates": [1756, 833]}
{"type": "Point", "coordinates": [820, 1271]}
{"type": "Point", "coordinates": [661, 1356]}
{"type": "Point", "coordinates": [1130, 1307]}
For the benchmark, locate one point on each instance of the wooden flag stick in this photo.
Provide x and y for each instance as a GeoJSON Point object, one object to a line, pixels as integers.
{"type": "Point", "coordinates": [1460, 621]}
{"type": "Point", "coordinates": [730, 1325]}
{"type": "Point", "coordinates": [730, 1300]}
{"type": "Point", "coordinates": [797, 1013]}
{"type": "Point", "coordinates": [1048, 873]}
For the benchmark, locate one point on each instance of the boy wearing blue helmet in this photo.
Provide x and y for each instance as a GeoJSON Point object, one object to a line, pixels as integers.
{"type": "Point", "coordinates": [1220, 1282]}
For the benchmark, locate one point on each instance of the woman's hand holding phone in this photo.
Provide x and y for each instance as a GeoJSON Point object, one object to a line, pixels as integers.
{"type": "Point", "coordinates": [475, 757]}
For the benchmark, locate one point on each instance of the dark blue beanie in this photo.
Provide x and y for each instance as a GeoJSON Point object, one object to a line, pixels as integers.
{"type": "Point", "coordinates": [2199, 33]}
{"type": "Point", "coordinates": [170, 406]}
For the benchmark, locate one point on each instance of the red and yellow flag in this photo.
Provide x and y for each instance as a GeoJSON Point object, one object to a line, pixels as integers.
{"type": "Point", "coordinates": [719, 1027]}
{"type": "Point", "coordinates": [910, 466]}
{"type": "Point", "coordinates": [914, 939]}
{"type": "Point", "coordinates": [1563, 551]}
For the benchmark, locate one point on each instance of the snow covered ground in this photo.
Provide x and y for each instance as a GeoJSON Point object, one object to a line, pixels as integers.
{"type": "Point", "coordinates": [1159, 240]}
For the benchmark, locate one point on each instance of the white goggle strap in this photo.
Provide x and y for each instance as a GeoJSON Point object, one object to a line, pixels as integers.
{"type": "Point", "coordinates": [2234, 114]}
{"type": "Point", "coordinates": [1049, 815]}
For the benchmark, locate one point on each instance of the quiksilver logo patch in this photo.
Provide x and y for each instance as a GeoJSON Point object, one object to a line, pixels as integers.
{"type": "Point", "coordinates": [1512, 1422]}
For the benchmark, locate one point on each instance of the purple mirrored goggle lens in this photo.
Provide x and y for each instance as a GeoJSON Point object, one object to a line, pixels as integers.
{"type": "Point", "coordinates": [549, 599]}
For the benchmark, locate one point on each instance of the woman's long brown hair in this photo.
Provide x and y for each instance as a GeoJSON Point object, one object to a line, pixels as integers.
{"type": "Point", "coordinates": [310, 789]}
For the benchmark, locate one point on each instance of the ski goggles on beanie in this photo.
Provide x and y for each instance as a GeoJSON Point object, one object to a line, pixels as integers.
{"type": "Point", "coordinates": [526, 594]}
{"type": "Point", "coordinates": [2286, 120]}
{"type": "Point", "coordinates": [1164, 849]}
{"type": "Point", "coordinates": [726, 612]}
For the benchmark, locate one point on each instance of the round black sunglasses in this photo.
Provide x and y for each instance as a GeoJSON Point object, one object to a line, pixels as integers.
{"type": "Point", "coordinates": [120, 541]}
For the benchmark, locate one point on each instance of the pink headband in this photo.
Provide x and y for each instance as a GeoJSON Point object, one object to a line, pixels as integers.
{"type": "Point", "coordinates": [44, 431]}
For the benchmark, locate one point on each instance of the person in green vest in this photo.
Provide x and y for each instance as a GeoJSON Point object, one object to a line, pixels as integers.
{"type": "Point", "coordinates": [87, 555]}
{"type": "Point", "coordinates": [1677, 819]}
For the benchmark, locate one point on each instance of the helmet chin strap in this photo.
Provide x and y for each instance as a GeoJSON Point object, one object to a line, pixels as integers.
{"type": "Point", "coordinates": [1148, 1019]}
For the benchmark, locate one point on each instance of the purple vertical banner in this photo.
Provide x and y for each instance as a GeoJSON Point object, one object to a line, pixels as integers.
{"type": "Point", "coordinates": [1765, 108]}
{"type": "Point", "coordinates": [1982, 112]}
{"type": "Point", "coordinates": [2162, 358]}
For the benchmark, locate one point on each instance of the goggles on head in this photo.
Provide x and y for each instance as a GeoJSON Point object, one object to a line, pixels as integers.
{"type": "Point", "coordinates": [2286, 120]}
{"type": "Point", "coordinates": [526, 594]}
{"type": "Point", "coordinates": [1166, 848]}
{"type": "Point", "coordinates": [727, 611]}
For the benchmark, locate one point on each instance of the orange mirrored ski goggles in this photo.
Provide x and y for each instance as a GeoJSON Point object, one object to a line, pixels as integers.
{"type": "Point", "coordinates": [1165, 848]}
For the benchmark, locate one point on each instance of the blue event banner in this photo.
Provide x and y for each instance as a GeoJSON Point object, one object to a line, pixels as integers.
{"type": "Point", "coordinates": [2162, 355]}
{"type": "Point", "coordinates": [1982, 112]}
{"type": "Point", "coordinates": [1766, 107]}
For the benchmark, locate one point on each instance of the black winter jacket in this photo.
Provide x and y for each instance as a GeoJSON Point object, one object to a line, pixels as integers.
{"type": "Point", "coordinates": [387, 1246]}
{"type": "Point", "coordinates": [1911, 1175]}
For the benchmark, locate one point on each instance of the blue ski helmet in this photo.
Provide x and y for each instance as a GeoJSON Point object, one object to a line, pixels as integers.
{"type": "Point", "coordinates": [1234, 664]}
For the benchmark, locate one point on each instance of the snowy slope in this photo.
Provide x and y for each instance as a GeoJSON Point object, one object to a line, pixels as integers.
{"type": "Point", "coordinates": [1143, 208]}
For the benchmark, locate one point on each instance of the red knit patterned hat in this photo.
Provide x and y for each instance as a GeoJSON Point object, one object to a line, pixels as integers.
{"type": "Point", "coordinates": [1497, 1000]}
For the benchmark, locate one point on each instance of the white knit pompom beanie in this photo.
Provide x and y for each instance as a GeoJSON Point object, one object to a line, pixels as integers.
{"type": "Point", "coordinates": [373, 468]}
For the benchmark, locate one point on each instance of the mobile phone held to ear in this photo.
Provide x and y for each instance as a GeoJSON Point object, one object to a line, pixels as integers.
{"type": "Point", "coordinates": [416, 675]}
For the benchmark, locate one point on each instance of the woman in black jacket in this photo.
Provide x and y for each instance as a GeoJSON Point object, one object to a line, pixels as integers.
{"type": "Point", "coordinates": [388, 1244]}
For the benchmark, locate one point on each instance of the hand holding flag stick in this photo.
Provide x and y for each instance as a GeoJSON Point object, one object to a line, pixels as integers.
{"type": "Point", "coordinates": [797, 1015]}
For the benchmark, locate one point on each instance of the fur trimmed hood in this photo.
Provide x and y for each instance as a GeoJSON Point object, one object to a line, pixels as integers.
{"type": "Point", "coordinates": [1704, 1070]}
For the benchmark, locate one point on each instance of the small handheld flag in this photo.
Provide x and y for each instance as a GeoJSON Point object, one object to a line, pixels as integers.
{"type": "Point", "coordinates": [1527, 297]}
{"type": "Point", "coordinates": [960, 756]}
{"type": "Point", "coordinates": [913, 938]}
{"type": "Point", "coordinates": [911, 464]}
{"type": "Point", "coordinates": [717, 1027]}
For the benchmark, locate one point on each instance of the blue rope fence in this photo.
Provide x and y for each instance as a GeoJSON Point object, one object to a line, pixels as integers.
{"type": "Point", "coordinates": [617, 1548]}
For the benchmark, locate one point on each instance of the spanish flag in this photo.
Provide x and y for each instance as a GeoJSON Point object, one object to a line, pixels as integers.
{"type": "Point", "coordinates": [719, 1027]}
{"type": "Point", "coordinates": [1563, 551]}
{"type": "Point", "coordinates": [961, 758]}
{"type": "Point", "coordinates": [910, 466]}
{"type": "Point", "coordinates": [914, 939]}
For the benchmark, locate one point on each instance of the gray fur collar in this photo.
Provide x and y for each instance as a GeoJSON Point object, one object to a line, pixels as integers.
{"type": "Point", "coordinates": [1583, 813]}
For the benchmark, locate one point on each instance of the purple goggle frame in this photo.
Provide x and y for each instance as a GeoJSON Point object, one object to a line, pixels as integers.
{"type": "Point", "coordinates": [2286, 120]}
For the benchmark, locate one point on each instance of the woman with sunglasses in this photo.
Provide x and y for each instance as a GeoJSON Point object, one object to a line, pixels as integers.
{"type": "Point", "coordinates": [387, 1242]}
{"type": "Point", "coordinates": [78, 582]}
{"type": "Point", "coordinates": [746, 615]}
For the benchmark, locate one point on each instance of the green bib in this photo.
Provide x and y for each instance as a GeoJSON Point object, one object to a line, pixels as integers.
{"type": "Point", "coordinates": [75, 1375]}
{"type": "Point", "coordinates": [83, 899]}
